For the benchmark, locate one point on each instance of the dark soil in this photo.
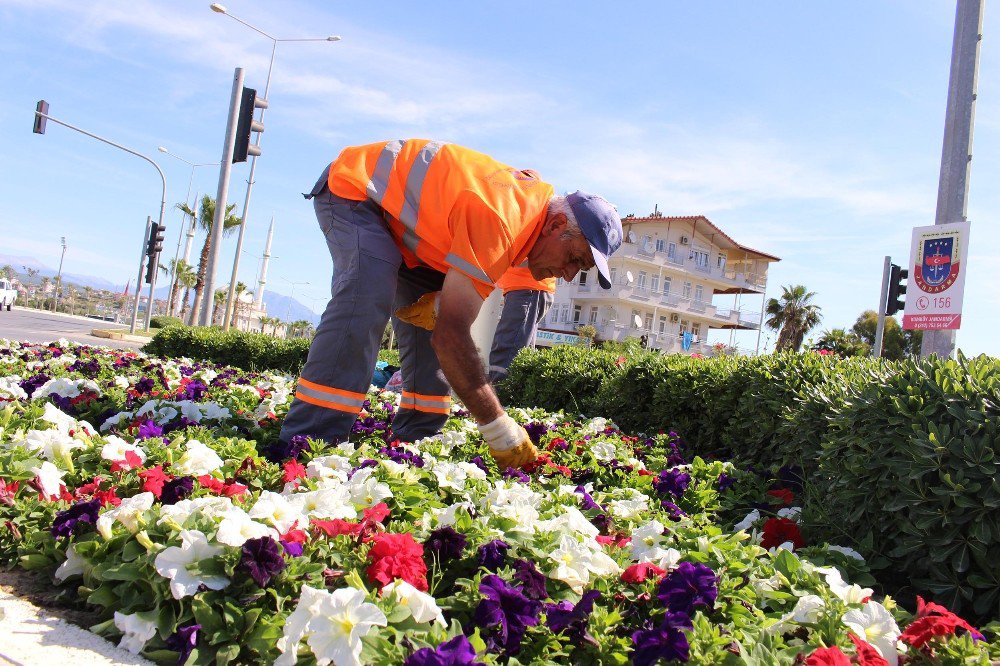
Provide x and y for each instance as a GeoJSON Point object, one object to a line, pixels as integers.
{"type": "Point", "coordinates": [41, 591]}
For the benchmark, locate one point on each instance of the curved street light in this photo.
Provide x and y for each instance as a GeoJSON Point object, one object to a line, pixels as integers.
{"type": "Point", "coordinates": [221, 9]}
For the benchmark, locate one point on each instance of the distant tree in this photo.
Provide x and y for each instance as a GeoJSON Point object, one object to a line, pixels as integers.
{"type": "Point", "coordinates": [219, 305]}
{"type": "Point", "coordinates": [205, 221]}
{"type": "Point", "coordinates": [241, 289]}
{"type": "Point", "coordinates": [842, 343]}
{"type": "Point", "coordinates": [8, 272]}
{"type": "Point", "coordinates": [896, 342]}
{"type": "Point", "coordinates": [176, 267]}
{"type": "Point", "coordinates": [187, 278]}
{"type": "Point", "coordinates": [792, 316]}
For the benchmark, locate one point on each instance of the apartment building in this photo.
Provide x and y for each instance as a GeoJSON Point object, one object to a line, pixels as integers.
{"type": "Point", "coordinates": [673, 280]}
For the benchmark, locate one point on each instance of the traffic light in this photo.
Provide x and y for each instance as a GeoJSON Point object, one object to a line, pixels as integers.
{"type": "Point", "coordinates": [246, 125]}
{"type": "Point", "coordinates": [155, 243]}
{"type": "Point", "coordinates": [897, 290]}
{"type": "Point", "coordinates": [41, 107]}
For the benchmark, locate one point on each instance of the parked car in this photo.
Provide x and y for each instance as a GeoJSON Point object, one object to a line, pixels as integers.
{"type": "Point", "coordinates": [7, 294]}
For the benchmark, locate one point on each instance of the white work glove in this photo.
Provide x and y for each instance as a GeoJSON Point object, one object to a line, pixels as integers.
{"type": "Point", "coordinates": [509, 443]}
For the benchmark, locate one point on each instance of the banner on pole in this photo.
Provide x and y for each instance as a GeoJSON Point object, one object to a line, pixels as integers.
{"type": "Point", "coordinates": [938, 255]}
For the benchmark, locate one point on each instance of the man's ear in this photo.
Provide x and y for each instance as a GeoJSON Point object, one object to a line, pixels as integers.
{"type": "Point", "coordinates": [555, 224]}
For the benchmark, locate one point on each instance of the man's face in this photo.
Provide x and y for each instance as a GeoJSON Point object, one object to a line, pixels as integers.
{"type": "Point", "coordinates": [554, 255]}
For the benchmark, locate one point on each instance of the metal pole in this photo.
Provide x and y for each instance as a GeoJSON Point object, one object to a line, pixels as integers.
{"type": "Point", "coordinates": [230, 298]}
{"type": "Point", "coordinates": [880, 328]}
{"type": "Point", "coordinates": [208, 291]}
{"type": "Point", "coordinates": [191, 231]}
{"type": "Point", "coordinates": [138, 280]}
{"type": "Point", "coordinates": [152, 286]}
{"type": "Point", "coordinates": [163, 181]}
{"type": "Point", "coordinates": [956, 152]}
{"type": "Point", "coordinates": [55, 302]}
{"type": "Point", "coordinates": [177, 252]}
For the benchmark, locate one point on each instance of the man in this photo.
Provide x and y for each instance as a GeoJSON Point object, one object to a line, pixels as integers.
{"type": "Point", "coordinates": [525, 302]}
{"type": "Point", "coordinates": [403, 219]}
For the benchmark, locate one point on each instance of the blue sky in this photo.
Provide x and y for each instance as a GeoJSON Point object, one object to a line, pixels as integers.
{"type": "Point", "coordinates": [808, 130]}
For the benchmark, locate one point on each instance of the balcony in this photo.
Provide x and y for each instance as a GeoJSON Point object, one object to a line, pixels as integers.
{"type": "Point", "coordinates": [727, 280]}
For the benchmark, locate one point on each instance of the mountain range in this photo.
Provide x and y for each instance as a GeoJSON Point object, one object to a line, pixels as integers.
{"type": "Point", "coordinates": [278, 305]}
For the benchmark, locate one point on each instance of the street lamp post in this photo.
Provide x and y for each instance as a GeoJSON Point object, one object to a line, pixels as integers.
{"type": "Point", "coordinates": [41, 113]}
{"type": "Point", "coordinates": [180, 232]}
{"type": "Point", "coordinates": [220, 9]}
{"type": "Point", "coordinates": [55, 303]}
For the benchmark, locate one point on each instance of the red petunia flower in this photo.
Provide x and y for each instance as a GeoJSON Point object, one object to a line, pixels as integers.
{"type": "Point", "coordinates": [153, 479]}
{"type": "Point", "coordinates": [295, 536]}
{"type": "Point", "coordinates": [640, 573]}
{"type": "Point", "coordinates": [397, 556]}
{"type": "Point", "coordinates": [377, 513]}
{"type": "Point", "coordinates": [934, 620]}
{"type": "Point", "coordinates": [7, 491]}
{"type": "Point", "coordinates": [293, 470]}
{"type": "Point", "coordinates": [336, 527]}
{"type": "Point", "coordinates": [867, 655]}
{"type": "Point", "coordinates": [109, 496]}
{"type": "Point", "coordinates": [779, 530]}
{"type": "Point", "coordinates": [131, 461]}
{"type": "Point", "coordinates": [831, 656]}
{"type": "Point", "coordinates": [784, 495]}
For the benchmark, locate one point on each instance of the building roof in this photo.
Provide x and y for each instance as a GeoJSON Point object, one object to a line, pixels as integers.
{"type": "Point", "coordinates": [696, 220]}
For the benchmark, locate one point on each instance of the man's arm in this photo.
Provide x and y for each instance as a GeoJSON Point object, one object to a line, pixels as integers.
{"type": "Point", "coordinates": [458, 307]}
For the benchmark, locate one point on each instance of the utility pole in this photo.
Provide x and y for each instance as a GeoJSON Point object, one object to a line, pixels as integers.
{"type": "Point", "coordinates": [55, 303]}
{"type": "Point", "coordinates": [956, 152]}
{"type": "Point", "coordinates": [880, 327]}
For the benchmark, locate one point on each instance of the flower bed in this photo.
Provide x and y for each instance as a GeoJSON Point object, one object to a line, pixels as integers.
{"type": "Point", "coordinates": [158, 492]}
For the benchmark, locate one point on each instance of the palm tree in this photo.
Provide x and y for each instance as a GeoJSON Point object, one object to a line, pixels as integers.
{"type": "Point", "coordinates": [218, 305]}
{"type": "Point", "coordinates": [793, 316]}
{"type": "Point", "coordinates": [240, 289]}
{"type": "Point", "coordinates": [187, 278]}
{"type": "Point", "coordinates": [176, 267]}
{"type": "Point", "coordinates": [205, 222]}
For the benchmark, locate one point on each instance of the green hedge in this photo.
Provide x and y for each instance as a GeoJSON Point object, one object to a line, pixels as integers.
{"type": "Point", "coordinates": [900, 458]}
{"type": "Point", "coordinates": [164, 321]}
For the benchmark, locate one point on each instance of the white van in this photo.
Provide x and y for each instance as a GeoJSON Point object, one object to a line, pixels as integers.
{"type": "Point", "coordinates": [7, 294]}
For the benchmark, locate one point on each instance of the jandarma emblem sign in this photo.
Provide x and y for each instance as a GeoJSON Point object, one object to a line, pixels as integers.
{"type": "Point", "coordinates": [937, 265]}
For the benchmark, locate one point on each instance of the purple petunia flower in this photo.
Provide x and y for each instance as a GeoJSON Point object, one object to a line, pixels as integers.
{"type": "Point", "coordinates": [66, 521]}
{"type": "Point", "coordinates": [364, 463]}
{"type": "Point", "coordinates": [144, 385]}
{"type": "Point", "coordinates": [572, 618]}
{"type": "Point", "coordinates": [674, 511]}
{"type": "Point", "coordinates": [672, 481]}
{"type": "Point", "coordinates": [456, 652]}
{"type": "Point", "coordinates": [261, 558]}
{"type": "Point", "coordinates": [177, 489]}
{"type": "Point", "coordinates": [588, 501]}
{"type": "Point", "coordinates": [725, 482]}
{"type": "Point", "coordinates": [183, 641]}
{"type": "Point", "coordinates": [493, 554]}
{"type": "Point", "coordinates": [666, 642]}
{"type": "Point", "coordinates": [687, 586]}
{"type": "Point", "coordinates": [400, 455]}
{"type": "Point", "coordinates": [480, 463]}
{"type": "Point", "coordinates": [531, 579]}
{"type": "Point", "coordinates": [195, 390]}
{"type": "Point", "coordinates": [446, 543]}
{"type": "Point", "coordinates": [535, 431]}
{"type": "Point", "coordinates": [31, 384]}
{"type": "Point", "coordinates": [516, 474]}
{"type": "Point", "coordinates": [293, 548]}
{"type": "Point", "coordinates": [505, 613]}
{"type": "Point", "coordinates": [149, 428]}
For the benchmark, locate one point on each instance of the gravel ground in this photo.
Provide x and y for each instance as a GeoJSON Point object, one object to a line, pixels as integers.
{"type": "Point", "coordinates": [33, 635]}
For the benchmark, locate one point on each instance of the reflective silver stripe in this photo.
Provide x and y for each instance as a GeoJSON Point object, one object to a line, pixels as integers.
{"type": "Point", "coordinates": [464, 266]}
{"type": "Point", "coordinates": [383, 166]}
{"type": "Point", "coordinates": [411, 196]}
{"type": "Point", "coordinates": [331, 397]}
{"type": "Point", "coordinates": [441, 404]}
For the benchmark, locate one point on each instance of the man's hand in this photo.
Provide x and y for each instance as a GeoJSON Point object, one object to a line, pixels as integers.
{"type": "Point", "coordinates": [423, 313]}
{"type": "Point", "coordinates": [509, 443]}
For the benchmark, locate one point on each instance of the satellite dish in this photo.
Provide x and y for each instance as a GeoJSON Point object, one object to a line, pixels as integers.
{"type": "Point", "coordinates": [638, 321]}
{"type": "Point", "coordinates": [629, 278]}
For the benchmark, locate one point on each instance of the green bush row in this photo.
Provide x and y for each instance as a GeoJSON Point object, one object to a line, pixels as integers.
{"type": "Point", "coordinates": [899, 458]}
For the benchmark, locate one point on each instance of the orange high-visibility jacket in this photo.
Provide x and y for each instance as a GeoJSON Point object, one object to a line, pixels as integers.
{"type": "Point", "coordinates": [447, 206]}
{"type": "Point", "coordinates": [519, 277]}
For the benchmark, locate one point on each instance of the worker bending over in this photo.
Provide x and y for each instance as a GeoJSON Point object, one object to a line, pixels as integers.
{"type": "Point", "coordinates": [406, 218]}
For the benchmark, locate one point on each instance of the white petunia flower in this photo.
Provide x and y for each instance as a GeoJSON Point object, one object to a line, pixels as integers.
{"type": "Point", "coordinates": [116, 448]}
{"type": "Point", "coordinates": [332, 624]}
{"type": "Point", "coordinates": [49, 478]}
{"type": "Point", "coordinates": [65, 387]}
{"type": "Point", "coordinates": [791, 512]}
{"type": "Point", "coordinates": [198, 460]}
{"type": "Point", "coordinates": [603, 451]}
{"type": "Point", "coordinates": [647, 541]}
{"type": "Point", "coordinates": [851, 594]}
{"type": "Point", "coordinates": [446, 516]}
{"type": "Point", "coordinates": [570, 522]}
{"type": "Point", "coordinates": [421, 606]}
{"type": "Point", "coordinates": [325, 504]}
{"type": "Point", "coordinates": [237, 527]}
{"type": "Point", "coordinates": [136, 631]}
{"type": "Point", "coordinates": [128, 513]}
{"type": "Point", "coordinates": [366, 490]}
{"type": "Point", "coordinates": [278, 511]}
{"type": "Point", "coordinates": [10, 387]}
{"type": "Point", "coordinates": [806, 611]}
{"type": "Point", "coordinates": [850, 552]}
{"type": "Point", "coordinates": [629, 508]}
{"type": "Point", "coordinates": [874, 624]}
{"type": "Point", "coordinates": [747, 522]}
{"type": "Point", "coordinates": [173, 563]}
{"type": "Point", "coordinates": [73, 565]}
{"type": "Point", "coordinates": [576, 561]}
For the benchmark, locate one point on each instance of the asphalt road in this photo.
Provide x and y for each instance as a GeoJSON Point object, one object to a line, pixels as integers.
{"type": "Point", "coordinates": [38, 326]}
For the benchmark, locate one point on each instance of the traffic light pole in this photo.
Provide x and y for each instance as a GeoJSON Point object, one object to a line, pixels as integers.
{"type": "Point", "coordinates": [882, 301]}
{"type": "Point", "coordinates": [138, 279]}
{"type": "Point", "coordinates": [208, 291]}
{"type": "Point", "coordinates": [956, 152]}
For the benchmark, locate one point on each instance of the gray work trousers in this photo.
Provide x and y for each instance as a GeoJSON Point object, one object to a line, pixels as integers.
{"type": "Point", "coordinates": [370, 281]}
{"type": "Point", "coordinates": [523, 310]}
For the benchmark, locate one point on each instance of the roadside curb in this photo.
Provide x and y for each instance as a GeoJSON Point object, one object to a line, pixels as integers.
{"type": "Point", "coordinates": [118, 334]}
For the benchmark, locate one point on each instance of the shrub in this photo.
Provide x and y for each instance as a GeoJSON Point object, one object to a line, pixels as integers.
{"type": "Point", "coordinates": [163, 321]}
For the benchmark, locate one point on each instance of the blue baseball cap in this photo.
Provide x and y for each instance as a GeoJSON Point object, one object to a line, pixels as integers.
{"type": "Point", "coordinates": [601, 226]}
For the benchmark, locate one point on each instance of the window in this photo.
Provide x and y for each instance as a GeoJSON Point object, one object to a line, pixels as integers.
{"type": "Point", "coordinates": [635, 315]}
{"type": "Point", "coordinates": [720, 260]}
{"type": "Point", "coordinates": [613, 272]}
{"type": "Point", "coordinates": [654, 283]}
{"type": "Point", "coordinates": [687, 290]}
{"type": "Point", "coordinates": [666, 286]}
{"type": "Point", "coordinates": [700, 258]}
{"type": "Point", "coordinates": [583, 278]}
{"type": "Point", "coordinates": [672, 250]}
{"type": "Point", "coordinates": [699, 291]}
{"type": "Point", "coordinates": [560, 282]}
{"type": "Point", "coordinates": [684, 327]}
{"type": "Point", "coordinates": [577, 310]}
{"type": "Point", "coordinates": [565, 313]}
{"type": "Point", "coordinates": [661, 245]}
{"type": "Point", "coordinates": [641, 282]}
{"type": "Point", "coordinates": [649, 321]}
{"type": "Point", "coordinates": [663, 324]}
{"type": "Point", "coordinates": [593, 315]}
{"type": "Point", "coordinates": [696, 330]}
{"type": "Point", "coordinates": [554, 315]}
